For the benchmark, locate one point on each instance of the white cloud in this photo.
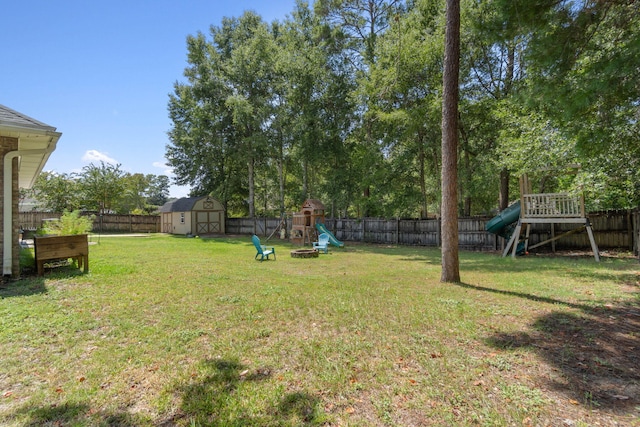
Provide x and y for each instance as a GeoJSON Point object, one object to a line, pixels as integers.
{"type": "Point", "coordinates": [95, 156]}
{"type": "Point", "coordinates": [178, 191]}
{"type": "Point", "coordinates": [166, 169]}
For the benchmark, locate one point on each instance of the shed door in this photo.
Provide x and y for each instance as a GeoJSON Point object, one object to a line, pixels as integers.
{"type": "Point", "coordinates": [208, 222]}
{"type": "Point", "coordinates": [166, 223]}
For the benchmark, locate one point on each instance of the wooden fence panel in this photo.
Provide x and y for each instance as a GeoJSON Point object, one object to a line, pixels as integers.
{"type": "Point", "coordinates": [263, 227]}
{"type": "Point", "coordinates": [101, 223]}
{"type": "Point", "coordinates": [613, 229]}
{"type": "Point", "coordinates": [349, 230]}
{"type": "Point", "coordinates": [33, 220]}
{"type": "Point", "coordinates": [472, 235]}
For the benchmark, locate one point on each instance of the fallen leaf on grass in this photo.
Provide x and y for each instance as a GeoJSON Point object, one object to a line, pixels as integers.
{"type": "Point", "coordinates": [350, 410]}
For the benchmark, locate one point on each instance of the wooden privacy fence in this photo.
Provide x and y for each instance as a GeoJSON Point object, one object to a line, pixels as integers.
{"type": "Point", "coordinates": [612, 229]}
{"type": "Point", "coordinates": [107, 223]}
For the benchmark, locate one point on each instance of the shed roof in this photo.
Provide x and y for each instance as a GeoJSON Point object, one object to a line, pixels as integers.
{"type": "Point", "coordinates": [185, 204]}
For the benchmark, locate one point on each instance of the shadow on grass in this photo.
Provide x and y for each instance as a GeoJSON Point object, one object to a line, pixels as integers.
{"type": "Point", "coordinates": [69, 414]}
{"type": "Point", "coordinates": [596, 350]}
{"type": "Point", "coordinates": [214, 400]}
{"type": "Point", "coordinates": [23, 287]}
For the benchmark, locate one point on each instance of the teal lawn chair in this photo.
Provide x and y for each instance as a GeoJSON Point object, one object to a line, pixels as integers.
{"type": "Point", "coordinates": [263, 251]}
{"type": "Point", "coordinates": [322, 244]}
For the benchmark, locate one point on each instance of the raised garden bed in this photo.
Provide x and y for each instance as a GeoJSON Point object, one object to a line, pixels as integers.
{"type": "Point", "coordinates": [53, 248]}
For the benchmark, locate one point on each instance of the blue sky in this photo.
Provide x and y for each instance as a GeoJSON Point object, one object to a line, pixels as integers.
{"type": "Point", "coordinates": [101, 72]}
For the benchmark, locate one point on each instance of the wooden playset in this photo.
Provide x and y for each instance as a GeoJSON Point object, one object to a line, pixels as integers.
{"type": "Point", "coordinates": [303, 228]}
{"type": "Point", "coordinates": [549, 208]}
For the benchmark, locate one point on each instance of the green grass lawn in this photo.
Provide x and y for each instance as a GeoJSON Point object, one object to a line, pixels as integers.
{"type": "Point", "coordinates": [193, 332]}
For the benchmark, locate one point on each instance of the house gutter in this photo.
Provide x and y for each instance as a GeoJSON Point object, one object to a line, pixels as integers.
{"type": "Point", "coordinates": [7, 206]}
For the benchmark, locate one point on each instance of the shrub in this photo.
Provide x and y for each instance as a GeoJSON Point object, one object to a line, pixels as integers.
{"type": "Point", "coordinates": [69, 223]}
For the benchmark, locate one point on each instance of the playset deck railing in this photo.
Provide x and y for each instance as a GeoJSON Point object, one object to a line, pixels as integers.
{"type": "Point", "coordinates": [552, 205]}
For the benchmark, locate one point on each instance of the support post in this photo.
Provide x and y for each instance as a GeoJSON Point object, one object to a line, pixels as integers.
{"type": "Point", "coordinates": [594, 247]}
{"type": "Point", "coordinates": [515, 238]}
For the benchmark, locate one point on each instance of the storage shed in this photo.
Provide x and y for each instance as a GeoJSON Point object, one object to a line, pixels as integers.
{"type": "Point", "coordinates": [193, 215]}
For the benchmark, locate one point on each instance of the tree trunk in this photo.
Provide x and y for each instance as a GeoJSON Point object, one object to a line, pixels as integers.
{"type": "Point", "coordinates": [423, 184]}
{"type": "Point", "coordinates": [252, 189]}
{"type": "Point", "coordinates": [504, 189]}
{"type": "Point", "coordinates": [305, 179]}
{"type": "Point", "coordinates": [450, 261]}
{"type": "Point", "coordinates": [281, 179]}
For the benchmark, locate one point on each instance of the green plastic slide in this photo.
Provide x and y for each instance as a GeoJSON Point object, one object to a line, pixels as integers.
{"type": "Point", "coordinates": [332, 239]}
{"type": "Point", "coordinates": [504, 224]}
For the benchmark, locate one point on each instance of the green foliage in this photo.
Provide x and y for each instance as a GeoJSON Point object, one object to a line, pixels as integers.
{"type": "Point", "coordinates": [69, 223]}
{"type": "Point", "coordinates": [57, 192]}
{"type": "Point", "coordinates": [101, 188]}
{"type": "Point", "coordinates": [342, 103]}
{"type": "Point", "coordinates": [27, 260]}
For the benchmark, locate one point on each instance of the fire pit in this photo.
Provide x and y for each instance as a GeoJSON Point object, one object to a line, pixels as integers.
{"type": "Point", "coordinates": [304, 253]}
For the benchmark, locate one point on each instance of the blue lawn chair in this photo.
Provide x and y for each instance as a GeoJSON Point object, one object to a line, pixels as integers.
{"type": "Point", "coordinates": [263, 251]}
{"type": "Point", "coordinates": [322, 244]}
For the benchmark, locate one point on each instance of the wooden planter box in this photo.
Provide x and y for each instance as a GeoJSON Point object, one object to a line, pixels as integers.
{"type": "Point", "coordinates": [50, 248]}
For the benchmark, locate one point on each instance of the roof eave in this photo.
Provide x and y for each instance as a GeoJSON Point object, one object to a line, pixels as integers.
{"type": "Point", "coordinates": [31, 138]}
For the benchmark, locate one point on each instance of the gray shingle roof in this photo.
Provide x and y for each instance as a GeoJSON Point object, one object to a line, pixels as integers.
{"type": "Point", "coordinates": [12, 118]}
{"type": "Point", "coordinates": [184, 204]}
